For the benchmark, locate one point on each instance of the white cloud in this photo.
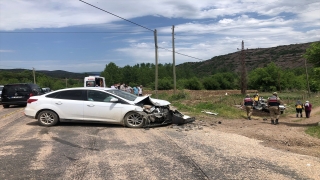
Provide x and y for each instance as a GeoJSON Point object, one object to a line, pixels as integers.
{"type": "Point", "coordinates": [6, 51]}
{"type": "Point", "coordinates": [203, 28]}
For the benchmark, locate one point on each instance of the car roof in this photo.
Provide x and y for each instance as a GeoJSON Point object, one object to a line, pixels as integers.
{"type": "Point", "coordinates": [19, 84]}
{"type": "Point", "coordinates": [89, 88]}
{"type": "Point", "coordinates": [85, 88]}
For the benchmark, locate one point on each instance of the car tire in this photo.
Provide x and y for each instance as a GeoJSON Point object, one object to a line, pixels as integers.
{"type": "Point", "coordinates": [5, 105]}
{"type": "Point", "coordinates": [134, 120]}
{"type": "Point", "coordinates": [48, 118]}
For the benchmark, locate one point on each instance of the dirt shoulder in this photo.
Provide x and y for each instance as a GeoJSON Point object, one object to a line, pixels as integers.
{"type": "Point", "coordinates": [288, 135]}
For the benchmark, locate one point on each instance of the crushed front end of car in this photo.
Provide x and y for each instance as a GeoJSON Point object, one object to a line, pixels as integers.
{"type": "Point", "coordinates": [262, 105]}
{"type": "Point", "coordinates": [158, 113]}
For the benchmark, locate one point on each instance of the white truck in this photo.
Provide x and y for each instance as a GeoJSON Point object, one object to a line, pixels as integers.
{"type": "Point", "coordinates": [94, 81]}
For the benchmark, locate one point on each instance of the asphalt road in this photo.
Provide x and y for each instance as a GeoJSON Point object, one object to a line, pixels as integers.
{"type": "Point", "coordinates": [102, 151]}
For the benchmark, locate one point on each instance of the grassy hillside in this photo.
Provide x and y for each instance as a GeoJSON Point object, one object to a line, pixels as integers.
{"type": "Point", "coordinates": [287, 57]}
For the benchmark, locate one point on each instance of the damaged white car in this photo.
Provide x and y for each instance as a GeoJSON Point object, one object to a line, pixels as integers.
{"type": "Point", "coordinates": [104, 105]}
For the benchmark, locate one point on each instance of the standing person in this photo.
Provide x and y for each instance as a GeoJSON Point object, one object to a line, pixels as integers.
{"type": "Point", "coordinates": [140, 90]}
{"type": "Point", "coordinates": [248, 102]}
{"type": "Point", "coordinates": [123, 87]}
{"type": "Point", "coordinates": [299, 107]}
{"type": "Point", "coordinates": [128, 88]}
{"type": "Point", "coordinates": [256, 98]}
{"type": "Point", "coordinates": [307, 108]}
{"type": "Point", "coordinates": [135, 90]}
{"type": "Point", "coordinates": [273, 105]}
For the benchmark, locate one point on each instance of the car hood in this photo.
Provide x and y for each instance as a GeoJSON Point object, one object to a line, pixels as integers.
{"type": "Point", "coordinates": [156, 102]}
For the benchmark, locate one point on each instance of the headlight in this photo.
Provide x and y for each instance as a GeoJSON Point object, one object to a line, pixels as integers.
{"type": "Point", "coordinates": [138, 108]}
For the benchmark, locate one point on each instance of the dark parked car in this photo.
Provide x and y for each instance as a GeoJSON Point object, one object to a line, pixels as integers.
{"type": "Point", "coordinates": [18, 94]}
{"type": "Point", "coordinates": [1, 87]}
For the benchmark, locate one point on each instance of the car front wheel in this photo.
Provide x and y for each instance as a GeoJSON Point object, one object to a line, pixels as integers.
{"type": "Point", "coordinates": [134, 120]}
{"type": "Point", "coordinates": [48, 118]}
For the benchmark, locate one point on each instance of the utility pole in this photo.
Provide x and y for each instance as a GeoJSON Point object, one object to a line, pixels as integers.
{"type": "Point", "coordinates": [174, 62]}
{"type": "Point", "coordinates": [156, 54]}
{"type": "Point", "coordinates": [34, 76]}
{"type": "Point", "coordinates": [305, 65]}
{"type": "Point", "coordinates": [243, 70]}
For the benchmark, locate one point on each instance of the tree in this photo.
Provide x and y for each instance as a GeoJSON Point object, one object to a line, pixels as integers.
{"type": "Point", "coordinates": [112, 74]}
{"type": "Point", "coordinates": [267, 78]}
{"type": "Point", "coordinates": [313, 54]}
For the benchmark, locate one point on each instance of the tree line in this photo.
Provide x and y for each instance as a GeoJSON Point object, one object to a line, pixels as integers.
{"type": "Point", "coordinates": [268, 78]}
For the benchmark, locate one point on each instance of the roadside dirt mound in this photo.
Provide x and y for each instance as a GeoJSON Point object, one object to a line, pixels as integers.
{"type": "Point", "coordinates": [288, 135]}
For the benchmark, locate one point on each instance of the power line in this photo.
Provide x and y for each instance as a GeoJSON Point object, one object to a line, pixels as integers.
{"type": "Point", "coordinates": [70, 32]}
{"type": "Point", "coordinates": [182, 54]}
{"type": "Point", "coordinates": [117, 16]}
{"type": "Point", "coordinates": [140, 26]}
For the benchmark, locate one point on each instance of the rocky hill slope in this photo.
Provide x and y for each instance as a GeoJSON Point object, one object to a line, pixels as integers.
{"type": "Point", "coordinates": [286, 57]}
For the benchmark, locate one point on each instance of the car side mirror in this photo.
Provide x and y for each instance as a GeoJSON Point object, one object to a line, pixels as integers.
{"type": "Point", "coordinates": [114, 99]}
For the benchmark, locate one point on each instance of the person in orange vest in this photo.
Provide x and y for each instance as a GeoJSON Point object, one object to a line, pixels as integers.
{"type": "Point", "coordinates": [273, 106]}
{"type": "Point", "coordinates": [256, 98]}
{"type": "Point", "coordinates": [248, 103]}
{"type": "Point", "coordinates": [299, 107]}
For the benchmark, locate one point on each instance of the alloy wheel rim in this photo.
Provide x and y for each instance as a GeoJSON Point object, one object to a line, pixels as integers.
{"type": "Point", "coordinates": [135, 120]}
{"type": "Point", "coordinates": [47, 118]}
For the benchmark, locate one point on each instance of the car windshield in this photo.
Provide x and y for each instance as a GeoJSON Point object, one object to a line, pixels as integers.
{"type": "Point", "coordinates": [123, 94]}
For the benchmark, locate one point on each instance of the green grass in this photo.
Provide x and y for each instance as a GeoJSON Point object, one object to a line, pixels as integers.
{"type": "Point", "coordinates": [225, 105]}
{"type": "Point", "coordinates": [313, 131]}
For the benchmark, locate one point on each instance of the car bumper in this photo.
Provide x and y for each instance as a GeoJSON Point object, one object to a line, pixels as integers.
{"type": "Point", "coordinates": [30, 113]}
{"type": "Point", "coordinates": [14, 103]}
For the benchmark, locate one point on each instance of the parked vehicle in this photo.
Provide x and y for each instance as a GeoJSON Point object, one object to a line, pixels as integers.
{"type": "Point", "coordinates": [1, 87]}
{"type": "Point", "coordinates": [102, 105]}
{"type": "Point", "coordinates": [262, 105]}
{"type": "Point", "coordinates": [18, 94]}
{"type": "Point", "coordinates": [46, 89]}
{"type": "Point", "coordinates": [94, 81]}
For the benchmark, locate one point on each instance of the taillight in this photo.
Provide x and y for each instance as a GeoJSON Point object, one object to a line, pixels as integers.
{"type": "Point", "coordinates": [31, 94]}
{"type": "Point", "coordinates": [31, 100]}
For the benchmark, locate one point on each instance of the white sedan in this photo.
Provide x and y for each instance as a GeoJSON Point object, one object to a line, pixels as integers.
{"type": "Point", "coordinates": [101, 105]}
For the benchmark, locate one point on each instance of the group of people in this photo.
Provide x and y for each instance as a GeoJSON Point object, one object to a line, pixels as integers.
{"type": "Point", "coordinates": [137, 90]}
{"type": "Point", "coordinates": [307, 106]}
{"type": "Point", "coordinates": [273, 106]}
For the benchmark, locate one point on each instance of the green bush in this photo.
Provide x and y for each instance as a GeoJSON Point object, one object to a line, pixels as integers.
{"type": "Point", "coordinates": [180, 95]}
{"type": "Point", "coordinates": [165, 84]}
{"type": "Point", "coordinates": [193, 84]}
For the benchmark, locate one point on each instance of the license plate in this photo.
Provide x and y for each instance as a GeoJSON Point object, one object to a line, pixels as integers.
{"type": "Point", "coordinates": [16, 97]}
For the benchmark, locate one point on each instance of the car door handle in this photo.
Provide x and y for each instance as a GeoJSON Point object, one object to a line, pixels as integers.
{"type": "Point", "coordinates": [58, 103]}
{"type": "Point", "coordinates": [90, 105]}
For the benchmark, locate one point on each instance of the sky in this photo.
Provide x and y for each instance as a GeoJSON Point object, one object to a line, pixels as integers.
{"type": "Point", "coordinates": [86, 35]}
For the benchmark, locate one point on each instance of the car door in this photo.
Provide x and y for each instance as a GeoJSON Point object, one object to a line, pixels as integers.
{"type": "Point", "coordinates": [98, 107]}
{"type": "Point", "coordinates": [69, 104]}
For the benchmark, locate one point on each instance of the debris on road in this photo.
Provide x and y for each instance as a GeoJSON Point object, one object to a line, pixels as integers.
{"type": "Point", "coordinates": [208, 112]}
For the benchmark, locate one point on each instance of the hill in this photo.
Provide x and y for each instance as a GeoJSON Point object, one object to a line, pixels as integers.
{"type": "Point", "coordinates": [286, 57]}
{"type": "Point", "coordinates": [57, 73]}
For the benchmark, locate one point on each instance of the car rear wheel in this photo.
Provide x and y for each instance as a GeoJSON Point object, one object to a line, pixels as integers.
{"type": "Point", "coordinates": [134, 120]}
{"type": "Point", "coordinates": [5, 105]}
{"type": "Point", "coordinates": [48, 118]}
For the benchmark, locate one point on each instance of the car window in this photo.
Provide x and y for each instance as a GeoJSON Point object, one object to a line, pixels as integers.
{"type": "Point", "coordinates": [99, 96]}
{"type": "Point", "coordinates": [123, 94]}
{"type": "Point", "coordinates": [36, 89]}
{"type": "Point", "coordinates": [90, 84]}
{"type": "Point", "coordinates": [52, 95]}
{"type": "Point", "coordinates": [71, 95]}
{"type": "Point", "coordinates": [16, 88]}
